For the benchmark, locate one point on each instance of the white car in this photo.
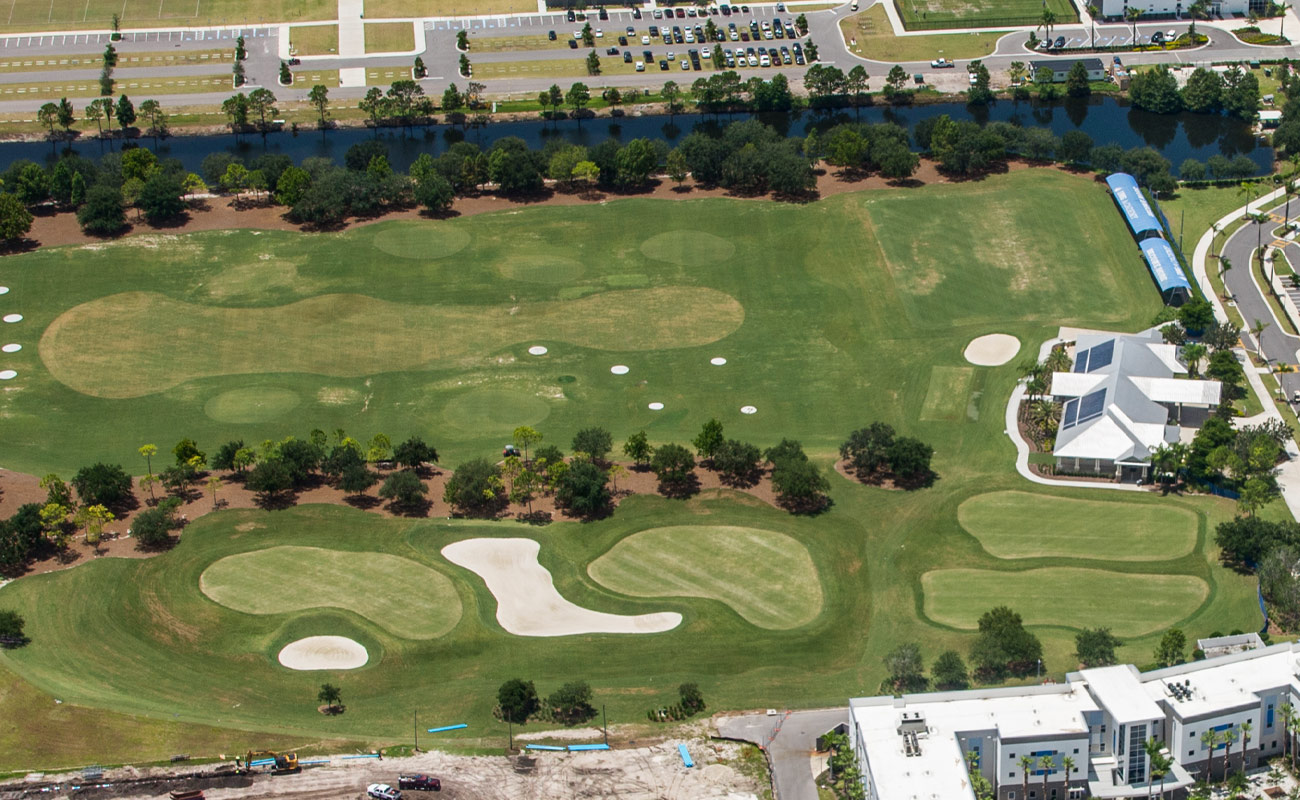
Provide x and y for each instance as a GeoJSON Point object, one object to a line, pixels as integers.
{"type": "Point", "coordinates": [382, 791]}
{"type": "Point", "coordinates": [765, 61]}
{"type": "Point", "coordinates": [752, 60]}
{"type": "Point", "coordinates": [600, 34]}
{"type": "Point", "coordinates": [686, 64]}
{"type": "Point", "coordinates": [690, 37]}
{"type": "Point", "coordinates": [706, 53]}
{"type": "Point", "coordinates": [645, 40]}
{"type": "Point", "coordinates": [640, 66]}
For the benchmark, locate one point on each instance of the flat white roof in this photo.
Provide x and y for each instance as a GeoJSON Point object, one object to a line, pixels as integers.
{"type": "Point", "coordinates": [939, 772]}
{"type": "Point", "coordinates": [1226, 682]}
{"type": "Point", "coordinates": [1119, 689]}
{"type": "Point", "coordinates": [1074, 384]}
{"type": "Point", "coordinates": [1175, 390]}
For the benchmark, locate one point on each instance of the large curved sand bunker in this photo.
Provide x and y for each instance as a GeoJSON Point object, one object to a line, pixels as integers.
{"type": "Point", "coordinates": [324, 652]}
{"type": "Point", "coordinates": [528, 603]}
{"type": "Point", "coordinates": [992, 350]}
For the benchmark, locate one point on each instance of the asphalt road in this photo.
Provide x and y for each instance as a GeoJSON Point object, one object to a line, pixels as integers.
{"type": "Point", "coordinates": [1277, 344]}
{"type": "Point", "coordinates": [790, 739]}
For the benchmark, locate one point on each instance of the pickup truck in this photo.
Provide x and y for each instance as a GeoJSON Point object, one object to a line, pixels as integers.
{"type": "Point", "coordinates": [423, 783]}
{"type": "Point", "coordinates": [942, 63]}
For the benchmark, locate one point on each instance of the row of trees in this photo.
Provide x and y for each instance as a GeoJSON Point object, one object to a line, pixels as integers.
{"type": "Point", "coordinates": [1234, 91]}
{"type": "Point", "coordinates": [1003, 647]}
{"type": "Point", "coordinates": [876, 454]}
{"type": "Point", "coordinates": [571, 704]}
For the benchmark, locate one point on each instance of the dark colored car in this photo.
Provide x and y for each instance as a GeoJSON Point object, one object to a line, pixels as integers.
{"type": "Point", "coordinates": [679, 13]}
{"type": "Point", "coordinates": [622, 41]}
{"type": "Point", "coordinates": [663, 65]}
{"type": "Point", "coordinates": [573, 44]}
{"type": "Point", "coordinates": [627, 57]}
{"type": "Point", "coordinates": [570, 16]}
{"type": "Point", "coordinates": [744, 9]}
{"type": "Point", "coordinates": [604, 14]}
{"type": "Point", "coordinates": [550, 35]}
{"type": "Point", "coordinates": [1060, 42]}
{"type": "Point", "coordinates": [636, 13]}
{"type": "Point", "coordinates": [744, 36]}
{"type": "Point", "coordinates": [611, 51]}
{"type": "Point", "coordinates": [726, 11]}
{"type": "Point", "coordinates": [420, 783]}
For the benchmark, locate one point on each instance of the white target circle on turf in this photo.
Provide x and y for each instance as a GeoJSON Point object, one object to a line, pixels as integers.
{"type": "Point", "coordinates": [12, 348]}
{"type": "Point", "coordinates": [7, 375]}
{"type": "Point", "coordinates": [13, 317]}
{"type": "Point", "coordinates": [656, 406]}
{"type": "Point", "coordinates": [717, 362]}
{"type": "Point", "coordinates": [618, 369]}
{"type": "Point", "coordinates": [537, 350]}
{"type": "Point", "coordinates": [748, 410]}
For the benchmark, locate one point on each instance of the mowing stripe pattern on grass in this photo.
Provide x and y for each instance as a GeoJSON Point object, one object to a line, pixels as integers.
{"type": "Point", "coordinates": [1065, 596]}
{"type": "Point", "coordinates": [408, 599]}
{"type": "Point", "coordinates": [766, 577]}
{"type": "Point", "coordinates": [1004, 523]}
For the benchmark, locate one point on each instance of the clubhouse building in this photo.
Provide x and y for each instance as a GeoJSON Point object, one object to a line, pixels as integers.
{"type": "Point", "coordinates": [1113, 10]}
{"type": "Point", "coordinates": [924, 746]}
{"type": "Point", "coordinates": [1127, 396]}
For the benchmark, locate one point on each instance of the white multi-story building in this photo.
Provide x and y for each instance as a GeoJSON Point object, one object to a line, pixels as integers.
{"type": "Point", "coordinates": [925, 746]}
{"type": "Point", "coordinates": [1157, 9]}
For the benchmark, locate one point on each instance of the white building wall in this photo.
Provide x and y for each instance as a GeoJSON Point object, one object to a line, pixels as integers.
{"type": "Point", "coordinates": [1187, 734]}
{"type": "Point", "coordinates": [1114, 9]}
{"type": "Point", "coordinates": [1011, 777]}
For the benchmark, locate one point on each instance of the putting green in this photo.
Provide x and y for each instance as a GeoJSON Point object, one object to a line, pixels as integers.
{"type": "Point", "coordinates": [947, 395]}
{"type": "Point", "coordinates": [482, 409]}
{"type": "Point", "coordinates": [108, 347]}
{"type": "Point", "coordinates": [688, 248]}
{"type": "Point", "coordinates": [1076, 598]}
{"type": "Point", "coordinates": [421, 241]}
{"type": "Point", "coordinates": [1108, 530]}
{"type": "Point", "coordinates": [408, 599]}
{"type": "Point", "coordinates": [541, 269]}
{"type": "Point", "coordinates": [252, 404]}
{"type": "Point", "coordinates": [766, 577]}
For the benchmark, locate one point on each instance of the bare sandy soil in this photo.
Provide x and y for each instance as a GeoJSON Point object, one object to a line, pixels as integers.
{"type": "Point", "coordinates": [992, 350]}
{"type": "Point", "coordinates": [649, 771]}
{"type": "Point", "coordinates": [528, 603]}
{"type": "Point", "coordinates": [323, 652]}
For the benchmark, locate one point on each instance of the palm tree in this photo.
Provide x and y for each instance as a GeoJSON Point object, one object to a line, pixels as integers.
{"type": "Point", "coordinates": [1224, 265]}
{"type": "Point", "coordinates": [1229, 736]}
{"type": "Point", "coordinates": [1026, 764]}
{"type": "Point", "coordinates": [1047, 21]}
{"type": "Point", "coordinates": [1161, 771]}
{"type": "Point", "coordinates": [1248, 189]}
{"type": "Point", "coordinates": [1131, 14]}
{"type": "Point", "coordinates": [1291, 190]}
{"type": "Point", "coordinates": [1153, 756]}
{"type": "Point", "coordinates": [1258, 329]}
{"type": "Point", "coordinates": [1246, 728]}
{"type": "Point", "coordinates": [1192, 354]}
{"type": "Point", "coordinates": [1217, 230]}
{"type": "Point", "coordinates": [1259, 219]}
{"type": "Point", "coordinates": [1047, 764]}
{"type": "Point", "coordinates": [1093, 11]}
{"type": "Point", "coordinates": [1058, 360]}
{"type": "Point", "coordinates": [1210, 741]}
{"type": "Point", "coordinates": [1281, 18]}
{"type": "Point", "coordinates": [1067, 764]}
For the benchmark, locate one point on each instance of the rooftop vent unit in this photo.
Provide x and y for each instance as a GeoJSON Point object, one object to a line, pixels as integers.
{"type": "Point", "coordinates": [912, 722]}
{"type": "Point", "coordinates": [911, 745]}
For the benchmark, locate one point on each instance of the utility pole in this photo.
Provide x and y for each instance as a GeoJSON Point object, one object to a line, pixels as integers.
{"type": "Point", "coordinates": [604, 724]}
{"type": "Point", "coordinates": [511, 727]}
{"type": "Point", "coordinates": [415, 716]}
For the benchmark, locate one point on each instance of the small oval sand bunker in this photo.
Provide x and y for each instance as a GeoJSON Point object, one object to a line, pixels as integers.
{"type": "Point", "coordinates": [992, 350]}
{"type": "Point", "coordinates": [528, 603]}
{"type": "Point", "coordinates": [323, 652]}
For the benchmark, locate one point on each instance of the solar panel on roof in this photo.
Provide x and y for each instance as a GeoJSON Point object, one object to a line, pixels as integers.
{"type": "Point", "coordinates": [1071, 414]}
{"type": "Point", "coordinates": [1091, 405]}
{"type": "Point", "coordinates": [1081, 361]}
{"type": "Point", "coordinates": [1101, 355]}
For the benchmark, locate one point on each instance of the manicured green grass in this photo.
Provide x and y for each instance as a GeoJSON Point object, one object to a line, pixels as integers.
{"type": "Point", "coordinates": [380, 9]}
{"type": "Point", "coordinates": [390, 37]}
{"type": "Point", "coordinates": [44, 15]}
{"type": "Point", "coordinates": [403, 597]}
{"type": "Point", "coordinates": [870, 35]}
{"type": "Point", "coordinates": [1194, 210]}
{"type": "Point", "coordinates": [1110, 531]}
{"type": "Point", "coordinates": [986, 12]}
{"type": "Point", "coordinates": [190, 84]}
{"type": "Point", "coordinates": [1061, 595]}
{"type": "Point", "coordinates": [766, 577]}
{"type": "Point", "coordinates": [314, 40]}
{"type": "Point", "coordinates": [831, 314]}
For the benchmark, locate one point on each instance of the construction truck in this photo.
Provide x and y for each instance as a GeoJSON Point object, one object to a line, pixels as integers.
{"type": "Point", "coordinates": [279, 763]}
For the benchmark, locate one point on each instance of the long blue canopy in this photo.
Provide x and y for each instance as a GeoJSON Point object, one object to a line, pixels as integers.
{"type": "Point", "coordinates": [1137, 212]}
{"type": "Point", "coordinates": [1164, 266]}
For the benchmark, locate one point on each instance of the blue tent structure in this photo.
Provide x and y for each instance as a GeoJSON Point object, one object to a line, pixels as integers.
{"type": "Point", "coordinates": [1135, 208]}
{"type": "Point", "coordinates": [1168, 274]}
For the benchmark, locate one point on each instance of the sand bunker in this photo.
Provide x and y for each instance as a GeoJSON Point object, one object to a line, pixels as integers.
{"type": "Point", "coordinates": [12, 348]}
{"type": "Point", "coordinates": [992, 350]}
{"type": "Point", "coordinates": [324, 652]}
{"type": "Point", "coordinates": [527, 601]}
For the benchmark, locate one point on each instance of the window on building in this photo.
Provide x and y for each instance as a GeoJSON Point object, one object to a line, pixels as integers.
{"type": "Point", "coordinates": [1191, 734]}
{"type": "Point", "coordinates": [1011, 796]}
{"type": "Point", "coordinates": [1011, 774]}
{"type": "Point", "coordinates": [1076, 793]}
{"type": "Point", "coordinates": [1191, 752]}
{"type": "Point", "coordinates": [1053, 795]}
{"type": "Point", "coordinates": [1137, 763]}
{"type": "Point", "coordinates": [1269, 724]}
{"type": "Point", "coordinates": [1076, 751]}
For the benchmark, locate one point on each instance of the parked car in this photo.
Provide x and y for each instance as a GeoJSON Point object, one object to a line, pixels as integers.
{"type": "Point", "coordinates": [663, 64]}
{"type": "Point", "coordinates": [550, 35]}
{"type": "Point", "coordinates": [942, 63]}
{"type": "Point", "coordinates": [571, 16]}
{"type": "Point", "coordinates": [744, 9]}
{"type": "Point", "coordinates": [744, 36]}
{"type": "Point", "coordinates": [622, 41]}
{"type": "Point", "coordinates": [640, 66]}
{"type": "Point", "coordinates": [659, 14]}
{"type": "Point", "coordinates": [573, 44]}
{"type": "Point", "coordinates": [636, 13]}
{"type": "Point", "coordinates": [631, 31]}
{"type": "Point", "coordinates": [765, 61]}
{"type": "Point", "coordinates": [779, 32]}
{"type": "Point", "coordinates": [679, 13]}
{"type": "Point", "coordinates": [627, 56]}
{"type": "Point", "coordinates": [726, 11]}
{"type": "Point", "coordinates": [645, 40]}
{"type": "Point", "coordinates": [421, 782]}
{"type": "Point", "coordinates": [686, 64]}
{"type": "Point", "coordinates": [972, 78]}
{"type": "Point", "coordinates": [604, 14]}
{"type": "Point", "coordinates": [382, 791]}
{"type": "Point", "coordinates": [780, 7]}
{"type": "Point", "coordinates": [1060, 42]}
{"type": "Point", "coordinates": [706, 53]}
{"type": "Point", "coordinates": [600, 34]}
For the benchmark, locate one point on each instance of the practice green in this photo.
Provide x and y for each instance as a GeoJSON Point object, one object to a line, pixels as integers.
{"type": "Point", "coordinates": [1023, 525]}
{"type": "Point", "coordinates": [1067, 596]}
{"type": "Point", "coordinates": [766, 577]}
{"type": "Point", "coordinates": [408, 599]}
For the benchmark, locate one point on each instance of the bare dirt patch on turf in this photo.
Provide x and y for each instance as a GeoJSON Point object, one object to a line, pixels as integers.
{"type": "Point", "coordinates": [106, 347]}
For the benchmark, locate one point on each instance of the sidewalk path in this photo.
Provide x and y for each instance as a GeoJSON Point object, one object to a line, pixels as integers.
{"type": "Point", "coordinates": [352, 28]}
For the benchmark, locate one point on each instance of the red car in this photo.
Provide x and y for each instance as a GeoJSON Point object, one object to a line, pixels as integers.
{"type": "Point", "coordinates": [421, 783]}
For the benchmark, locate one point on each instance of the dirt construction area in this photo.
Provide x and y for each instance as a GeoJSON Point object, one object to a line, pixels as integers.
{"type": "Point", "coordinates": [638, 773]}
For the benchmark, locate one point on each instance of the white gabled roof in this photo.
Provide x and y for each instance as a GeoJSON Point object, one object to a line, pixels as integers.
{"type": "Point", "coordinates": [1075, 384]}
{"type": "Point", "coordinates": [1173, 390]}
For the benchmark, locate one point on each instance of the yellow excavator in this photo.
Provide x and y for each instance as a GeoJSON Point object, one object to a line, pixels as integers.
{"type": "Point", "coordinates": [279, 763]}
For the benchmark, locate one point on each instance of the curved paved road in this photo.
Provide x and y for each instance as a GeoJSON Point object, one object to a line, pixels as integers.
{"type": "Point", "coordinates": [1277, 345]}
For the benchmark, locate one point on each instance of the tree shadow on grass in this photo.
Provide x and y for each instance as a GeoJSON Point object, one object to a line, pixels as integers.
{"type": "Point", "coordinates": [364, 502]}
{"type": "Point", "coordinates": [275, 501]}
{"type": "Point", "coordinates": [420, 508]}
{"type": "Point", "coordinates": [810, 507]}
{"type": "Point", "coordinates": [680, 490]}
{"type": "Point", "coordinates": [538, 517]}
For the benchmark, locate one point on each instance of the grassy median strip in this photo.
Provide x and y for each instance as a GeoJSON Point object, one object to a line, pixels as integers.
{"type": "Point", "coordinates": [390, 37]}
{"type": "Point", "coordinates": [869, 35]}
{"type": "Point", "coordinates": [124, 60]}
{"type": "Point", "coordinates": [314, 40]}
{"type": "Point", "coordinates": [45, 15]}
{"type": "Point", "coordinates": [90, 87]}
